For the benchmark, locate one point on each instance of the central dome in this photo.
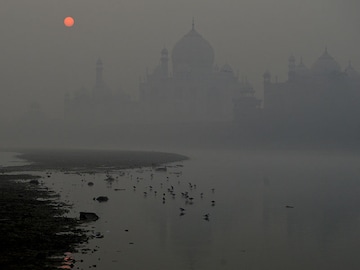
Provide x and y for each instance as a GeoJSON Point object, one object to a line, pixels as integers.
{"type": "Point", "coordinates": [192, 54]}
{"type": "Point", "coordinates": [326, 64]}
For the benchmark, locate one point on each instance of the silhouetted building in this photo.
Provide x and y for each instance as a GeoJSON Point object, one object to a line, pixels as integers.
{"type": "Point", "coordinates": [101, 92]}
{"type": "Point", "coordinates": [196, 90]}
{"type": "Point", "coordinates": [323, 98]}
{"type": "Point", "coordinates": [247, 108]}
{"type": "Point", "coordinates": [101, 105]}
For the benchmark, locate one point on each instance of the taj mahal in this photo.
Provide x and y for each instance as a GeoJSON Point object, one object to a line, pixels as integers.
{"type": "Point", "coordinates": [187, 86]}
{"type": "Point", "coordinates": [197, 90]}
{"type": "Point", "coordinates": [321, 98]}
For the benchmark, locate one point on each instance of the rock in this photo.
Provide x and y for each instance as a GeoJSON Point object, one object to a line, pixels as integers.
{"type": "Point", "coordinates": [109, 179]}
{"type": "Point", "coordinates": [34, 182]}
{"type": "Point", "coordinates": [102, 199]}
{"type": "Point", "coordinates": [98, 235]}
{"type": "Point", "coordinates": [88, 216]}
{"type": "Point", "coordinates": [161, 169]}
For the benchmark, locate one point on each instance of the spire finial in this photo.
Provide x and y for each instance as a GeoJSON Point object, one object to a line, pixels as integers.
{"type": "Point", "coordinates": [99, 62]}
{"type": "Point", "coordinates": [193, 23]}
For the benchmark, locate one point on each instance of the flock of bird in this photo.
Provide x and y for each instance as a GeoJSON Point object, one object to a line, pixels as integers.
{"type": "Point", "coordinates": [168, 191]}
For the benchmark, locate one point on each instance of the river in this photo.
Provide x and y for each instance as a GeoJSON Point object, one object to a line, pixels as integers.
{"type": "Point", "coordinates": [249, 210]}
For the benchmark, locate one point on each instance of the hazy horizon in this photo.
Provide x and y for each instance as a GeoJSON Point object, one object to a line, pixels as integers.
{"type": "Point", "coordinates": [41, 59]}
{"type": "Point", "coordinates": [198, 169]}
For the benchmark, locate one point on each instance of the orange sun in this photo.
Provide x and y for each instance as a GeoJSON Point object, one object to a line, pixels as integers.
{"type": "Point", "coordinates": [69, 21]}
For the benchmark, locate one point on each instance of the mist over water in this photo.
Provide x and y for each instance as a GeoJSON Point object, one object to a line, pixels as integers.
{"type": "Point", "coordinates": [272, 210]}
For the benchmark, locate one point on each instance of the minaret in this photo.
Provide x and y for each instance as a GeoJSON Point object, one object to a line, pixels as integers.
{"type": "Point", "coordinates": [99, 73]}
{"type": "Point", "coordinates": [267, 77]}
{"type": "Point", "coordinates": [267, 87]}
{"type": "Point", "coordinates": [351, 72]}
{"type": "Point", "coordinates": [67, 104]}
{"type": "Point", "coordinates": [292, 68]}
{"type": "Point", "coordinates": [164, 63]}
{"type": "Point", "coordinates": [101, 91]}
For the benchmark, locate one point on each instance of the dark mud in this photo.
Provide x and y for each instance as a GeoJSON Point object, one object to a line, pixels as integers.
{"type": "Point", "coordinates": [32, 226]}
{"type": "Point", "coordinates": [34, 233]}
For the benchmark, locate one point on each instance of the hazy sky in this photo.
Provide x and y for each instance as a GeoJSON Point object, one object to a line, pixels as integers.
{"type": "Point", "coordinates": [40, 59]}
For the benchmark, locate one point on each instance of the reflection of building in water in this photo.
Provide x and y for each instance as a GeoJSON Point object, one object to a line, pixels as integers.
{"type": "Point", "coordinates": [193, 239]}
{"type": "Point", "coordinates": [317, 97]}
{"type": "Point", "coordinates": [188, 240]}
{"type": "Point", "coordinates": [197, 90]}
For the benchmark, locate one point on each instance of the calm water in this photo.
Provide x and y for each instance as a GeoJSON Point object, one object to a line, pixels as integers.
{"type": "Point", "coordinates": [11, 159]}
{"type": "Point", "coordinates": [249, 226]}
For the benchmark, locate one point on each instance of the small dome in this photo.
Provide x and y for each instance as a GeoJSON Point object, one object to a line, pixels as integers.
{"type": "Point", "coordinates": [325, 64]}
{"type": "Point", "coordinates": [351, 72]}
{"type": "Point", "coordinates": [192, 53]}
{"type": "Point", "coordinates": [247, 87]}
{"type": "Point", "coordinates": [164, 51]}
{"type": "Point", "coordinates": [99, 62]}
{"type": "Point", "coordinates": [226, 69]}
{"type": "Point", "coordinates": [267, 74]}
{"type": "Point", "coordinates": [301, 69]}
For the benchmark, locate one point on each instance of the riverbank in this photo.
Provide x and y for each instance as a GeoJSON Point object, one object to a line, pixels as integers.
{"type": "Point", "coordinates": [33, 227]}
{"type": "Point", "coordinates": [96, 160]}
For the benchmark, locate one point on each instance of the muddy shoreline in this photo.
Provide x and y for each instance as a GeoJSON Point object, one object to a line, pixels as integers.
{"type": "Point", "coordinates": [35, 234]}
{"type": "Point", "coordinates": [33, 226]}
{"type": "Point", "coordinates": [97, 160]}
